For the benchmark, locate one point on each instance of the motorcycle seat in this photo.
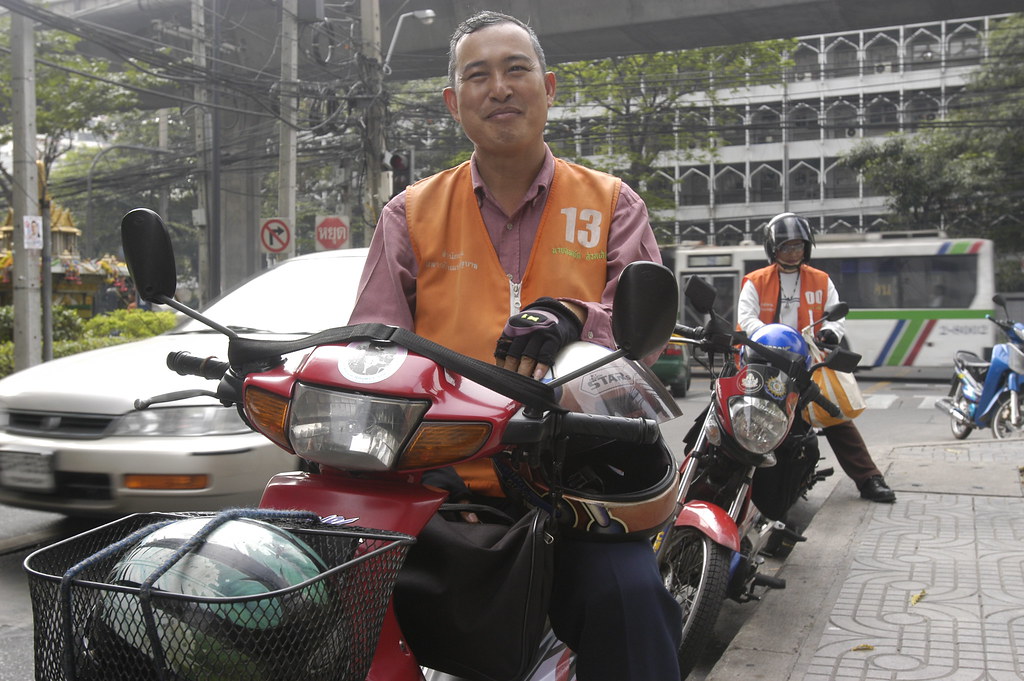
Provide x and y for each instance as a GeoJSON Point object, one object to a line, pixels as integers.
{"type": "Point", "coordinates": [970, 362]}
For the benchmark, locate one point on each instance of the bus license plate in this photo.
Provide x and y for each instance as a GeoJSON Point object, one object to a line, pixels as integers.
{"type": "Point", "coordinates": [31, 471]}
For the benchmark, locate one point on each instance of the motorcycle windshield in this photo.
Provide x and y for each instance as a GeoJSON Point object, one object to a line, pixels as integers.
{"type": "Point", "coordinates": [622, 387]}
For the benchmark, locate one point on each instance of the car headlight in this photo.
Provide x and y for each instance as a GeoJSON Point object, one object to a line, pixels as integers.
{"type": "Point", "coordinates": [758, 425]}
{"type": "Point", "coordinates": [181, 421]}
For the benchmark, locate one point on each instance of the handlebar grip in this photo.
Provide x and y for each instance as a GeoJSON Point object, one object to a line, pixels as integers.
{"type": "Point", "coordinates": [188, 364]}
{"type": "Point", "coordinates": [689, 332]}
{"type": "Point", "coordinates": [622, 428]}
{"type": "Point", "coordinates": [828, 405]}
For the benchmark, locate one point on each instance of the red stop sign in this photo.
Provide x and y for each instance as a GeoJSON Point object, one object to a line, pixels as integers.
{"type": "Point", "coordinates": [331, 232]}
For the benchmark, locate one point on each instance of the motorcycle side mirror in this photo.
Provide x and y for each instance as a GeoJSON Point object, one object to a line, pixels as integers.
{"type": "Point", "coordinates": [700, 294]}
{"type": "Point", "coordinates": [646, 300]}
{"type": "Point", "coordinates": [1001, 302]}
{"type": "Point", "coordinates": [149, 254]}
{"type": "Point", "coordinates": [150, 258]}
{"type": "Point", "coordinates": [837, 312]}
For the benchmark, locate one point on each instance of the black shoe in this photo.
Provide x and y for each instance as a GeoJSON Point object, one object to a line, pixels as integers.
{"type": "Point", "coordinates": [875, 489]}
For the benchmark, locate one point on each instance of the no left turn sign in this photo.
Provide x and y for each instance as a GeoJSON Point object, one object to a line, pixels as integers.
{"type": "Point", "coordinates": [276, 235]}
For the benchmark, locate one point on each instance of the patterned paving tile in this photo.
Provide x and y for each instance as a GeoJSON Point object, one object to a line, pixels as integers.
{"type": "Point", "coordinates": [935, 590]}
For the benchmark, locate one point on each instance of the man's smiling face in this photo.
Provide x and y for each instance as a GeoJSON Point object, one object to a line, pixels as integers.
{"type": "Point", "coordinates": [501, 95]}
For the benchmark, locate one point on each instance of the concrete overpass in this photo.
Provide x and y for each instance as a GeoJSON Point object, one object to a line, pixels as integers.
{"type": "Point", "coordinates": [580, 29]}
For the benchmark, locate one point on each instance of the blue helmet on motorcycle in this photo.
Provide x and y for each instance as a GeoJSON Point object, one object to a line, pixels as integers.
{"type": "Point", "coordinates": [783, 338]}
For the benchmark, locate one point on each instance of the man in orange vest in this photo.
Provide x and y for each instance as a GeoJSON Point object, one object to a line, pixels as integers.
{"type": "Point", "coordinates": [508, 257]}
{"type": "Point", "coordinates": [791, 292]}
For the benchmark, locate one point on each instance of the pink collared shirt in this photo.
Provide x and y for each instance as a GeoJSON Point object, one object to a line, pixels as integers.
{"type": "Point", "coordinates": [387, 289]}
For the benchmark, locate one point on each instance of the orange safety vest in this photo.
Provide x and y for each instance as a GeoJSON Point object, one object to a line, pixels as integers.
{"type": "Point", "coordinates": [463, 294]}
{"type": "Point", "coordinates": [813, 293]}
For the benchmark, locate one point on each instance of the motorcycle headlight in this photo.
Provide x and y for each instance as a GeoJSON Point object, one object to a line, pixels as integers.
{"type": "Point", "coordinates": [349, 430]}
{"type": "Point", "coordinates": [758, 425]}
{"type": "Point", "coordinates": [181, 421]}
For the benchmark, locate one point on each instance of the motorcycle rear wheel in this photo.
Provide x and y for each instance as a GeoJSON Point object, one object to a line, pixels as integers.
{"type": "Point", "coordinates": [696, 573]}
{"type": "Point", "coordinates": [960, 430]}
{"type": "Point", "coordinates": [1002, 423]}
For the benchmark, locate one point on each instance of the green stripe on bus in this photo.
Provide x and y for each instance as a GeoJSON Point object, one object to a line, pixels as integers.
{"type": "Point", "coordinates": [906, 340]}
{"type": "Point", "coordinates": [918, 315]}
{"type": "Point", "coordinates": [960, 247]}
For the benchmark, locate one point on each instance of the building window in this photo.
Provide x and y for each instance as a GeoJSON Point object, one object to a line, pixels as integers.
{"type": "Point", "coordinates": [881, 55]}
{"type": "Point", "coordinates": [731, 127]}
{"type": "Point", "coordinates": [921, 109]}
{"type": "Point", "coordinates": [881, 116]}
{"type": "Point", "coordinates": [765, 126]}
{"type": "Point", "coordinates": [841, 120]}
{"type": "Point", "coordinates": [729, 186]}
{"type": "Point", "coordinates": [694, 188]}
{"type": "Point", "coordinates": [840, 182]}
{"type": "Point", "coordinates": [766, 184]}
{"type": "Point", "coordinates": [964, 46]}
{"type": "Point", "coordinates": [841, 59]}
{"type": "Point", "coordinates": [805, 63]}
{"type": "Point", "coordinates": [923, 51]}
{"type": "Point", "coordinates": [803, 123]}
{"type": "Point", "coordinates": [803, 182]}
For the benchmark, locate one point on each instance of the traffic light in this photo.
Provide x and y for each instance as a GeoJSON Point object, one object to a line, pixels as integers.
{"type": "Point", "coordinates": [401, 171]}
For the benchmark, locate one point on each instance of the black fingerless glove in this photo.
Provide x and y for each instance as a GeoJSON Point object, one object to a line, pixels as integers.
{"type": "Point", "coordinates": [542, 329]}
{"type": "Point", "coordinates": [828, 336]}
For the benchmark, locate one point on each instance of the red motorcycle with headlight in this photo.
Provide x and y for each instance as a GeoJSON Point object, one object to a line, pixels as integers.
{"type": "Point", "coordinates": [749, 458]}
{"type": "Point", "coordinates": [368, 409]}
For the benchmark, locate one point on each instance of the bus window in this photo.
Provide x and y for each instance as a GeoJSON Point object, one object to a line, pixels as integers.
{"type": "Point", "coordinates": [884, 282]}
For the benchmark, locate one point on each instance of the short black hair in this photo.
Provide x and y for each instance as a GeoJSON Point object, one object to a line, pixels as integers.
{"type": "Point", "coordinates": [483, 20]}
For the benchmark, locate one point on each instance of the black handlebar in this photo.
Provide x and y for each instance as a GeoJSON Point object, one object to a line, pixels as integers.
{"type": "Point", "coordinates": [621, 428]}
{"type": "Point", "coordinates": [187, 364]}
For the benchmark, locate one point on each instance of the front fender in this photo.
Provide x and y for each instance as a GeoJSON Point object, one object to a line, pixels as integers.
{"type": "Point", "coordinates": [711, 521]}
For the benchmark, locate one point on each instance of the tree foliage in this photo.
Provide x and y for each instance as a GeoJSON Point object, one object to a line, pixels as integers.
{"type": "Point", "coordinates": [635, 107]}
{"type": "Point", "coordinates": [964, 173]}
{"type": "Point", "coordinates": [78, 93]}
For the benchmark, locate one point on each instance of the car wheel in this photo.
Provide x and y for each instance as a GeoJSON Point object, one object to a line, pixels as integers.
{"type": "Point", "coordinates": [678, 389]}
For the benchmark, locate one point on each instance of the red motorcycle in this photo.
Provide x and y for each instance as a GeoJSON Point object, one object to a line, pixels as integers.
{"type": "Point", "coordinates": [368, 410]}
{"type": "Point", "coordinates": [749, 458]}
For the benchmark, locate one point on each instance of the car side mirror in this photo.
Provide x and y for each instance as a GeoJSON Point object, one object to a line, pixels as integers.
{"type": "Point", "coordinates": [644, 312]}
{"type": "Point", "coordinates": [149, 254]}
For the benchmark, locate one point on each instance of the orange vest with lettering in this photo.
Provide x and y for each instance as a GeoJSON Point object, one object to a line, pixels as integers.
{"type": "Point", "coordinates": [463, 294]}
{"type": "Point", "coordinates": [813, 293]}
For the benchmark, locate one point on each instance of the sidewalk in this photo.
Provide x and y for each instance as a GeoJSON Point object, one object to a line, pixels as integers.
{"type": "Point", "coordinates": [931, 587]}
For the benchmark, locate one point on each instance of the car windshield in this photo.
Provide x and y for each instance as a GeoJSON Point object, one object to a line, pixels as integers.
{"type": "Point", "coordinates": [299, 296]}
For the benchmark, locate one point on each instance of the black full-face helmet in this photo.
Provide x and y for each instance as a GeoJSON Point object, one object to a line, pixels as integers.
{"type": "Point", "coordinates": [787, 227]}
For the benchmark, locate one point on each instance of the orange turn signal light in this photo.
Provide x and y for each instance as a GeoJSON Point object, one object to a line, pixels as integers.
{"type": "Point", "coordinates": [269, 415]}
{"type": "Point", "coordinates": [443, 442]}
{"type": "Point", "coordinates": [166, 482]}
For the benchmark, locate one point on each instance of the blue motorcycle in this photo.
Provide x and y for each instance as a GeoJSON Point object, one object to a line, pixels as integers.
{"type": "Point", "coordinates": [987, 394]}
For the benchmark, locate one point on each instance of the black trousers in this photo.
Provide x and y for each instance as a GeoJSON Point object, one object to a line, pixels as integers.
{"type": "Point", "coordinates": [609, 604]}
{"type": "Point", "coordinates": [851, 451]}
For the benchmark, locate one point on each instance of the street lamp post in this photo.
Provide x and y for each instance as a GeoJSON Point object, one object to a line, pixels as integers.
{"type": "Point", "coordinates": [426, 16]}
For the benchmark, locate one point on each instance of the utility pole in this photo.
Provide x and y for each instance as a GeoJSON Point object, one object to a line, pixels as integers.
{"type": "Point", "coordinates": [27, 318]}
{"type": "Point", "coordinates": [201, 215]}
{"type": "Point", "coordinates": [286, 161]}
{"type": "Point", "coordinates": [373, 114]}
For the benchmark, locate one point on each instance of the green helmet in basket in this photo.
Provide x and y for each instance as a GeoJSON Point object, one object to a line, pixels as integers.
{"type": "Point", "coordinates": [209, 616]}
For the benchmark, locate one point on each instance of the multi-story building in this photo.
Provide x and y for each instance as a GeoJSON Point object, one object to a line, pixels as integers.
{"type": "Point", "coordinates": [780, 145]}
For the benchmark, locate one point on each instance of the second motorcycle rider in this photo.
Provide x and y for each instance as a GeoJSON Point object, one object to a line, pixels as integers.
{"type": "Point", "coordinates": [454, 258]}
{"type": "Point", "coordinates": [791, 292]}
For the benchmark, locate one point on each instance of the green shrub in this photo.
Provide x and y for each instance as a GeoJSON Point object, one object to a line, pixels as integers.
{"type": "Point", "coordinates": [72, 335]}
{"type": "Point", "coordinates": [132, 324]}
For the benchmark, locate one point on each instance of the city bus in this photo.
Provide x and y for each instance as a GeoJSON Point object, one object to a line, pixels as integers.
{"type": "Point", "coordinates": [914, 301]}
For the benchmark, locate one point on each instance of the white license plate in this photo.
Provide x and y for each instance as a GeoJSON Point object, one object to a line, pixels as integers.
{"type": "Point", "coordinates": [27, 470]}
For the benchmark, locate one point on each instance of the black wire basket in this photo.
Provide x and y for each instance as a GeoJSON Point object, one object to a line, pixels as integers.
{"type": "Point", "coordinates": [98, 618]}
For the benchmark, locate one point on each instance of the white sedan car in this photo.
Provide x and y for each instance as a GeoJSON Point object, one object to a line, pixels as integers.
{"type": "Point", "coordinates": [72, 443]}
